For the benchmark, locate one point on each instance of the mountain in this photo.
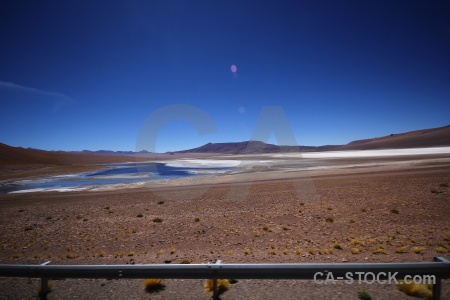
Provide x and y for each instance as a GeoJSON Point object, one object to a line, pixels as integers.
{"type": "Point", "coordinates": [434, 137]}
{"type": "Point", "coordinates": [252, 147]}
{"type": "Point", "coordinates": [20, 156]}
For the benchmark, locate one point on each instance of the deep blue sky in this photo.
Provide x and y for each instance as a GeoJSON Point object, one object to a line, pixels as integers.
{"type": "Point", "coordinates": [80, 75]}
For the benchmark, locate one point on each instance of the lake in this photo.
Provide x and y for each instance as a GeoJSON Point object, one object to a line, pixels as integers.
{"type": "Point", "coordinates": [113, 174]}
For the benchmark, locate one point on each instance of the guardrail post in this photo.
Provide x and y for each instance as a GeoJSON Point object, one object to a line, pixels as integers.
{"type": "Point", "coordinates": [215, 289]}
{"type": "Point", "coordinates": [44, 285]}
{"type": "Point", "coordinates": [437, 284]}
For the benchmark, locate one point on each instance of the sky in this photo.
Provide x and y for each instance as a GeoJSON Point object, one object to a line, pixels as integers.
{"type": "Point", "coordinates": [92, 75]}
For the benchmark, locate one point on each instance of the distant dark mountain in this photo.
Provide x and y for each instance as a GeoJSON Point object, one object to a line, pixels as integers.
{"type": "Point", "coordinates": [252, 147]}
{"type": "Point", "coordinates": [434, 137]}
{"type": "Point", "coordinates": [20, 156]}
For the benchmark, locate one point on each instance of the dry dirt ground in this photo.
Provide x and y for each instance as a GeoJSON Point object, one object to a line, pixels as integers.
{"type": "Point", "coordinates": [364, 216]}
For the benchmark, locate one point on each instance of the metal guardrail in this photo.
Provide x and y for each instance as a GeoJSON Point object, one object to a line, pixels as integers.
{"type": "Point", "coordinates": [440, 268]}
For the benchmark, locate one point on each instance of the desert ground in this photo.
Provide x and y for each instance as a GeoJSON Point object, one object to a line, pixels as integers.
{"type": "Point", "coordinates": [394, 209]}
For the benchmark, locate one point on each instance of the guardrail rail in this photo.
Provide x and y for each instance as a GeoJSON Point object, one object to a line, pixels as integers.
{"type": "Point", "coordinates": [440, 268]}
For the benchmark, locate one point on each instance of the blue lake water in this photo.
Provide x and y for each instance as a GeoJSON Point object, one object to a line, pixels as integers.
{"type": "Point", "coordinates": [114, 174]}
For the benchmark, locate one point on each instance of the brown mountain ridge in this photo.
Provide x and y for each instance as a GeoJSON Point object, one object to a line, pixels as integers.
{"type": "Point", "coordinates": [434, 137]}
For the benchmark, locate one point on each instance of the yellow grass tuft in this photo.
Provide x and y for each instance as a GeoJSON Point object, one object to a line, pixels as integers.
{"type": "Point", "coordinates": [153, 284]}
{"type": "Point", "coordinates": [337, 246]}
{"type": "Point", "coordinates": [422, 291]}
{"type": "Point", "coordinates": [401, 250]}
{"type": "Point", "coordinates": [72, 255]}
{"type": "Point", "coordinates": [356, 242]}
{"type": "Point", "coordinates": [222, 286]}
{"type": "Point", "coordinates": [354, 250]}
{"type": "Point", "coordinates": [380, 250]}
{"type": "Point", "coordinates": [298, 251]}
{"type": "Point", "coordinates": [441, 250]}
{"type": "Point", "coordinates": [417, 250]}
{"type": "Point", "coordinates": [272, 251]}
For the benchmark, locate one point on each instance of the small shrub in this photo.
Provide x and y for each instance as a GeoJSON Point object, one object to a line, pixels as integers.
{"type": "Point", "coordinates": [447, 237]}
{"type": "Point", "coordinates": [285, 251]}
{"type": "Point", "coordinates": [417, 250]}
{"type": "Point", "coordinates": [157, 220]}
{"type": "Point", "coordinates": [172, 251]}
{"type": "Point", "coordinates": [247, 251]}
{"type": "Point", "coordinates": [401, 250]}
{"type": "Point", "coordinates": [329, 219]}
{"type": "Point", "coordinates": [152, 285]}
{"type": "Point", "coordinates": [102, 254]}
{"type": "Point", "coordinates": [354, 250]}
{"type": "Point", "coordinates": [298, 251]}
{"type": "Point", "coordinates": [72, 255]}
{"type": "Point", "coordinates": [160, 202]}
{"type": "Point", "coordinates": [185, 262]}
{"type": "Point", "coordinates": [363, 295]}
{"type": "Point", "coordinates": [197, 220]}
{"type": "Point", "coordinates": [337, 246]}
{"type": "Point", "coordinates": [356, 242]}
{"type": "Point", "coordinates": [422, 291]}
{"type": "Point", "coordinates": [363, 210]}
{"type": "Point", "coordinates": [395, 211]}
{"type": "Point", "coordinates": [131, 253]}
{"type": "Point", "coordinates": [140, 215]}
{"type": "Point", "coordinates": [223, 285]}
{"type": "Point", "coordinates": [325, 251]}
{"type": "Point", "coordinates": [380, 251]}
{"type": "Point", "coordinates": [443, 185]}
{"type": "Point", "coordinates": [441, 250]}
{"type": "Point", "coordinates": [272, 252]}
